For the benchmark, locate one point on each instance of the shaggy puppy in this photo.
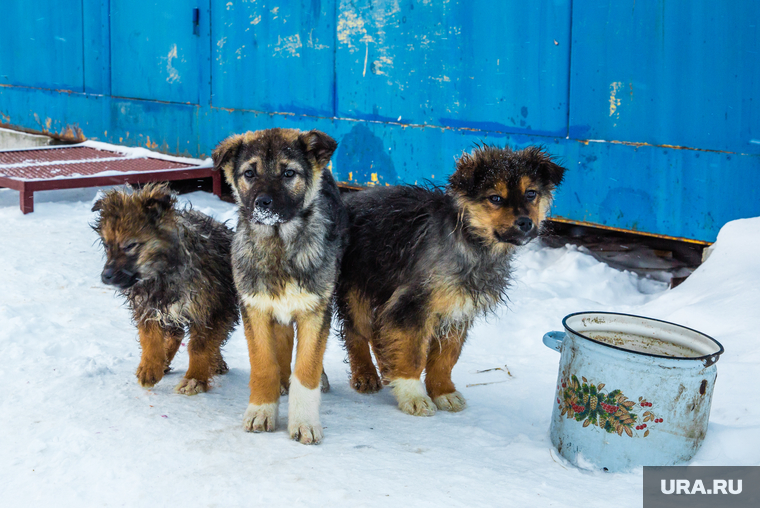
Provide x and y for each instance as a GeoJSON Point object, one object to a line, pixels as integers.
{"type": "Point", "coordinates": [285, 255]}
{"type": "Point", "coordinates": [173, 266]}
{"type": "Point", "coordinates": [422, 264]}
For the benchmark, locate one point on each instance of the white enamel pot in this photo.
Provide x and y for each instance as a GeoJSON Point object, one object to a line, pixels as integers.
{"type": "Point", "coordinates": [631, 391]}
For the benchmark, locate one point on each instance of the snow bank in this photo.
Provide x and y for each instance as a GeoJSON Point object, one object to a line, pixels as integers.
{"type": "Point", "coordinates": [77, 430]}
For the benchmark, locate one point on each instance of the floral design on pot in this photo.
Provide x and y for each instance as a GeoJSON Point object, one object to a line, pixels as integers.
{"type": "Point", "coordinates": [611, 411]}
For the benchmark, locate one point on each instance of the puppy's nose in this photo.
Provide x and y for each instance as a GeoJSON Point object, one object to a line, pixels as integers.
{"type": "Point", "coordinates": [524, 223]}
{"type": "Point", "coordinates": [108, 275]}
{"type": "Point", "coordinates": [263, 201]}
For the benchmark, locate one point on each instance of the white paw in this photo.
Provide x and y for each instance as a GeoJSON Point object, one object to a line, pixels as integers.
{"type": "Point", "coordinates": [190, 387]}
{"type": "Point", "coordinates": [261, 418]}
{"type": "Point", "coordinates": [303, 413]}
{"type": "Point", "coordinates": [412, 397]}
{"type": "Point", "coordinates": [305, 433]}
{"type": "Point", "coordinates": [451, 402]}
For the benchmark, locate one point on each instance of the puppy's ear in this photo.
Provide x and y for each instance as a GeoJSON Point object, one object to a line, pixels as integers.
{"type": "Point", "coordinates": [98, 206]}
{"type": "Point", "coordinates": [548, 171]}
{"type": "Point", "coordinates": [226, 151]}
{"type": "Point", "coordinates": [319, 145]}
{"type": "Point", "coordinates": [158, 199]}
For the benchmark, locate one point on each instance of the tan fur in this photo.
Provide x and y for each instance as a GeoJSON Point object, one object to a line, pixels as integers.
{"type": "Point", "coordinates": [153, 358]}
{"type": "Point", "coordinates": [442, 356]}
{"type": "Point", "coordinates": [172, 340]}
{"type": "Point", "coordinates": [262, 352]}
{"type": "Point", "coordinates": [313, 330]}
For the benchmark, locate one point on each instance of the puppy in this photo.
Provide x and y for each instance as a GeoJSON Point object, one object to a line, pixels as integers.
{"type": "Point", "coordinates": [422, 264]}
{"type": "Point", "coordinates": [173, 266]}
{"type": "Point", "coordinates": [285, 256]}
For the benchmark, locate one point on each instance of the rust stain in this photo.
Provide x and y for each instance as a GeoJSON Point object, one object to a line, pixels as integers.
{"type": "Point", "coordinates": [673, 147]}
{"type": "Point", "coordinates": [622, 230]}
{"type": "Point", "coordinates": [351, 186]}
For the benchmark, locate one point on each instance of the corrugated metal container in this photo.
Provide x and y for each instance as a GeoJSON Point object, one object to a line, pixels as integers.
{"type": "Point", "coordinates": [653, 106]}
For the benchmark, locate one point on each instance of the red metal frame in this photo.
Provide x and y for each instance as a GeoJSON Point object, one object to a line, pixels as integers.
{"type": "Point", "coordinates": [27, 188]}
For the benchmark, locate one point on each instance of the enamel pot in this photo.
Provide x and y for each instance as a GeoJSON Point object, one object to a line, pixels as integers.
{"type": "Point", "coordinates": [631, 391]}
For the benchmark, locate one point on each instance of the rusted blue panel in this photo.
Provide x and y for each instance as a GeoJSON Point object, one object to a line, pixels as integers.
{"type": "Point", "coordinates": [494, 66]}
{"type": "Point", "coordinates": [684, 73]}
{"type": "Point", "coordinates": [440, 67]}
{"type": "Point", "coordinates": [41, 44]}
{"type": "Point", "coordinates": [274, 56]}
{"type": "Point", "coordinates": [155, 50]}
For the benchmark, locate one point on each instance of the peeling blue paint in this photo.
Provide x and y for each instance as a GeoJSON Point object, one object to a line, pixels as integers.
{"type": "Point", "coordinates": [405, 87]}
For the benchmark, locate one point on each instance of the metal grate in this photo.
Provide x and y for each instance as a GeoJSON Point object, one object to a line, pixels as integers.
{"type": "Point", "coordinates": [59, 163]}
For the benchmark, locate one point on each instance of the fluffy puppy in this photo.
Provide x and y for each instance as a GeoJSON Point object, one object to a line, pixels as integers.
{"type": "Point", "coordinates": [421, 264]}
{"type": "Point", "coordinates": [173, 266]}
{"type": "Point", "coordinates": [285, 256]}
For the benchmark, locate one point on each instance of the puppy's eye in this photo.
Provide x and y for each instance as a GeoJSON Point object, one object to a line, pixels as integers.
{"type": "Point", "coordinates": [495, 199]}
{"type": "Point", "coordinates": [289, 173]}
{"type": "Point", "coordinates": [530, 195]}
{"type": "Point", "coordinates": [249, 173]}
{"type": "Point", "coordinates": [130, 247]}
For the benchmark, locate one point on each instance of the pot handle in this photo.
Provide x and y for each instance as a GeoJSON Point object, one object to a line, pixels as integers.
{"type": "Point", "coordinates": [553, 340]}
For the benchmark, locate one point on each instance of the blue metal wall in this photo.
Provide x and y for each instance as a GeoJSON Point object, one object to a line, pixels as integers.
{"type": "Point", "coordinates": [654, 106]}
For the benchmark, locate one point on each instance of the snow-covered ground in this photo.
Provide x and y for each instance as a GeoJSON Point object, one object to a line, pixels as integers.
{"type": "Point", "coordinates": [77, 430]}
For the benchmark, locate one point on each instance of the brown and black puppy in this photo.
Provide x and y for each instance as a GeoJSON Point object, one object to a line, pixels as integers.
{"type": "Point", "coordinates": [174, 268]}
{"type": "Point", "coordinates": [285, 256]}
{"type": "Point", "coordinates": [422, 264]}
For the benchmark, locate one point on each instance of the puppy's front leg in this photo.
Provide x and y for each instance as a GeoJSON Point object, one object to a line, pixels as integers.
{"type": "Point", "coordinates": [443, 355]}
{"type": "Point", "coordinates": [153, 358]}
{"type": "Point", "coordinates": [405, 351]}
{"type": "Point", "coordinates": [303, 404]}
{"type": "Point", "coordinates": [263, 403]}
{"type": "Point", "coordinates": [172, 340]}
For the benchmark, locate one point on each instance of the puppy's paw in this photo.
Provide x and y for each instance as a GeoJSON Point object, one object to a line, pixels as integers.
{"type": "Point", "coordinates": [303, 413]}
{"type": "Point", "coordinates": [324, 383]}
{"type": "Point", "coordinates": [260, 417]}
{"type": "Point", "coordinates": [451, 402]}
{"type": "Point", "coordinates": [191, 387]}
{"type": "Point", "coordinates": [412, 397]}
{"type": "Point", "coordinates": [418, 406]}
{"type": "Point", "coordinates": [149, 375]}
{"type": "Point", "coordinates": [305, 433]}
{"type": "Point", "coordinates": [221, 367]}
{"type": "Point", "coordinates": [366, 382]}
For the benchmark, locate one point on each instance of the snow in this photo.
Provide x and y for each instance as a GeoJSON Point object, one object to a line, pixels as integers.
{"type": "Point", "coordinates": [136, 152]}
{"type": "Point", "coordinates": [265, 216]}
{"type": "Point", "coordinates": [77, 430]}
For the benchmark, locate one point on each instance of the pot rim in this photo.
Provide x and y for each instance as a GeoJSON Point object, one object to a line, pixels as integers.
{"type": "Point", "coordinates": [707, 359]}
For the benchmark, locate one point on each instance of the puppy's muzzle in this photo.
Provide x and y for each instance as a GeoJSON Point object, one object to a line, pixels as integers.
{"type": "Point", "coordinates": [122, 279]}
{"type": "Point", "coordinates": [524, 224]}
{"type": "Point", "coordinates": [263, 201]}
{"type": "Point", "coordinates": [522, 231]}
